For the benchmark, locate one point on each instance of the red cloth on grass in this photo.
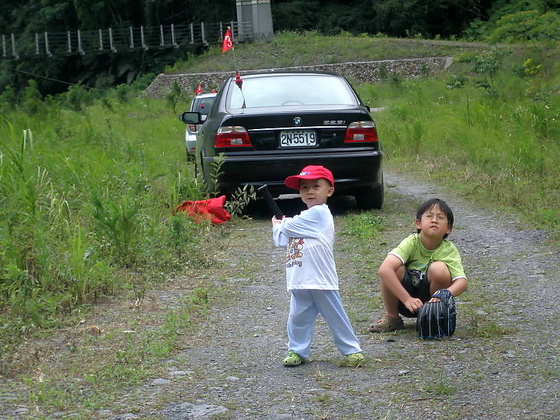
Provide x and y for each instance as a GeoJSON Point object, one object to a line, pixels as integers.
{"type": "Point", "coordinates": [211, 209]}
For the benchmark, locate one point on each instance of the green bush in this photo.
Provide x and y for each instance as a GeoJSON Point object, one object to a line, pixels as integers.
{"type": "Point", "coordinates": [502, 147]}
{"type": "Point", "coordinates": [87, 193]}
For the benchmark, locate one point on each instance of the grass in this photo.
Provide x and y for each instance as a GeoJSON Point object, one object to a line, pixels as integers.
{"type": "Point", "coordinates": [498, 145]}
{"type": "Point", "coordinates": [310, 48]}
{"type": "Point", "coordinates": [98, 365]}
{"type": "Point", "coordinates": [488, 126]}
{"type": "Point", "coordinates": [440, 388]}
{"type": "Point", "coordinates": [88, 184]}
{"type": "Point", "coordinates": [364, 225]}
{"type": "Point", "coordinates": [87, 205]}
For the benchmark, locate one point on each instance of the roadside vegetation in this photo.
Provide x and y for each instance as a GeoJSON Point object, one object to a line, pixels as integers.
{"type": "Point", "coordinates": [288, 49]}
{"type": "Point", "coordinates": [489, 127]}
{"type": "Point", "coordinates": [89, 181]}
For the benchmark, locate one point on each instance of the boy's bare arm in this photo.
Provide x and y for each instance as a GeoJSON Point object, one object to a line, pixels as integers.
{"type": "Point", "coordinates": [389, 277]}
{"type": "Point", "coordinates": [458, 286]}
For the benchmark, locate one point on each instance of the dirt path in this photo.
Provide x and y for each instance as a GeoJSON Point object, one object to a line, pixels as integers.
{"type": "Point", "coordinates": [235, 367]}
{"type": "Point", "coordinates": [502, 362]}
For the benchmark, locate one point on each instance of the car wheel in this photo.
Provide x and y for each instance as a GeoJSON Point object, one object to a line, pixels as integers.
{"type": "Point", "coordinates": [370, 197]}
{"type": "Point", "coordinates": [202, 173]}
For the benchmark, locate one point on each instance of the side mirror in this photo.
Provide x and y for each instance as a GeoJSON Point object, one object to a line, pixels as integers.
{"type": "Point", "coordinates": [191, 118]}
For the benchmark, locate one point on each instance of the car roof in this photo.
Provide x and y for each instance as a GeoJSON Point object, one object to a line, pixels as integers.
{"type": "Point", "coordinates": [205, 95]}
{"type": "Point", "coordinates": [273, 73]}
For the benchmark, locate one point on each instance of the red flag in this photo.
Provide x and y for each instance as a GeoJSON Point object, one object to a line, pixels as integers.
{"type": "Point", "coordinates": [227, 43]}
{"type": "Point", "coordinates": [238, 80]}
{"type": "Point", "coordinates": [212, 209]}
{"type": "Point", "coordinates": [198, 89]}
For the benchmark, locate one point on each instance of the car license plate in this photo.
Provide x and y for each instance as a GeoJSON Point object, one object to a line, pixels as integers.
{"type": "Point", "coordinates": [298, 138]}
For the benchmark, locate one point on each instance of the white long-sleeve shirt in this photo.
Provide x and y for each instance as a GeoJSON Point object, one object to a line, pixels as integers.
{"type": "Point", "coordinates": [309, 239]}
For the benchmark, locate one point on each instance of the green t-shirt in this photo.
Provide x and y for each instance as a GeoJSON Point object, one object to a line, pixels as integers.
{"type": "Point", "coordinates": [414, 255]}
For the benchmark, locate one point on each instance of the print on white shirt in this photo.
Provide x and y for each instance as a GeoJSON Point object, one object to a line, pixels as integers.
{"type": "Point", "coordinates": [294, 252]}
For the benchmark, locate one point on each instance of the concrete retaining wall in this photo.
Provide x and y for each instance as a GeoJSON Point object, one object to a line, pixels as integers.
{"type": "Point", "coordinates": [360, 72]}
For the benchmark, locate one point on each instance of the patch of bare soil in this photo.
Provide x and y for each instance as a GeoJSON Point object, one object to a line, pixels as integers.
{"type": "Point", "coordinates": [502, 362]}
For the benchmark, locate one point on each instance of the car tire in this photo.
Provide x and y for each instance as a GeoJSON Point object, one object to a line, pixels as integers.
{"type": "Point", "coordinates": [198, 168]}
{"type": "Point", "coordinates": [368, 198]}
{"type": "Point", "coordinates": [206, 179]}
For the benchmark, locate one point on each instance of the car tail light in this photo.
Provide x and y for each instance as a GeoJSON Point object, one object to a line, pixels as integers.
{"type": "Point", "coordinates": [192, 128]}
{"type": "Point", "coordinates": [232, 136]}
{"type": "Point", "coordinates": [361, 131]}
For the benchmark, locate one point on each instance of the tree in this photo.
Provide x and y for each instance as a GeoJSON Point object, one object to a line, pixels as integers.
{"type": "Point", "coordinates": [26, 18]}
{"type": "Point", "coordinates": [427, 17]}
{"type": "Point", "coordinates": [298, 15]}
{"type": "Point", "coordinates": [528, 25]}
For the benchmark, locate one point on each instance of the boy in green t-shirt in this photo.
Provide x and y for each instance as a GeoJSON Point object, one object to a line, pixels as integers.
{"type": "Point", "coordinates": [422, 263]}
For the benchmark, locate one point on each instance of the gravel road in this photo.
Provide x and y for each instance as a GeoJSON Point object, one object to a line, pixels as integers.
{"type": "Point", "coordinates": [235, 370]}
{"type": "Point", "coordinates": [502, 363]}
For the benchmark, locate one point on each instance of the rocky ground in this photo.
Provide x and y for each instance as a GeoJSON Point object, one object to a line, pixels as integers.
{"type": "Point", "coordinates": [502, 363]}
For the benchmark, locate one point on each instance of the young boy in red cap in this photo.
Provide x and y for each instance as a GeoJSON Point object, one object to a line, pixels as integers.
{"type": "Point", "coordinates": [311, 271]}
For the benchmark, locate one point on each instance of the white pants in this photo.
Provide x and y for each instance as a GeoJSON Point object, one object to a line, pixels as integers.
{"type": "Point", "coordinates": [305, 305]}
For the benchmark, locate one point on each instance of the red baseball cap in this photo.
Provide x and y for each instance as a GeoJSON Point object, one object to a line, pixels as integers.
{"type": "Point", "coordinates": [309, 172]}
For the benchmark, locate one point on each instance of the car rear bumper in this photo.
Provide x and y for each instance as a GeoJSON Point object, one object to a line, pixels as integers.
{"type": "Point", "coordinates": [190, 143]}
{"type": "Point", "coordinates": [351, 168]}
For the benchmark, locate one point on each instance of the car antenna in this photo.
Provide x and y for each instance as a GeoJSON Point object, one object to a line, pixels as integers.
{"type": "Point", "coordinates": [239, 83]}
{"type": "Point", "coordinates": [228, 44]}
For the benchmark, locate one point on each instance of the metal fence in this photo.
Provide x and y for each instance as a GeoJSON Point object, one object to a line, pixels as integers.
{"type": "Point", "coordinates": [114, 40]}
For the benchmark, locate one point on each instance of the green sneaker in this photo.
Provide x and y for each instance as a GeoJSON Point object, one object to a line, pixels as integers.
{"type": "Point", "coordinates": [293, 359]}
{"type": "Point", "coordinates": [353, 360]}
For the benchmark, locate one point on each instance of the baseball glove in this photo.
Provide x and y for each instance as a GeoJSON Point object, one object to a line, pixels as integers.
{"type": "Point", "coordinates": [437, 319]}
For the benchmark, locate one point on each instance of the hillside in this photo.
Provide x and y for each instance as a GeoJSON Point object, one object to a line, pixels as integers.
{"type": "Point", "coordinates": [166, 316]}
{"type": "Point", "coordinates": [481, 81]}
{"type": "Point", "coordinates": [290, 49]}
{"type": "Point", "coordinates": [360, 59]}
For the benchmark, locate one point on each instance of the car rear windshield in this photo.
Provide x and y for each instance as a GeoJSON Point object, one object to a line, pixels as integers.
{"type": "Point", "coordinates": [291, 90]}
{"type": "Point", "coordinates": [202, 105]}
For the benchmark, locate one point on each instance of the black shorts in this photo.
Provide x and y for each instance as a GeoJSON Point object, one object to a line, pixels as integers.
{"type": "Point", "coordinates": [417, 285]}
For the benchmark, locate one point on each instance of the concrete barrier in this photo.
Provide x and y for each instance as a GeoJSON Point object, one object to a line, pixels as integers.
{"type": "Point", "coordinates": [356, 72]}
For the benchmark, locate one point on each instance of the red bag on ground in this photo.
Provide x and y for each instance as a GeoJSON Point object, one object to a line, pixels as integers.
{"type": "Point", "coordinates": [201, 210]}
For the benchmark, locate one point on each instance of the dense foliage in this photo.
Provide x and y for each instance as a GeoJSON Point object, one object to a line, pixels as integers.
{"type": "Point", "coordinates": [393, 18]}
{"type": "Point", "coordinates": [55, 74]}
{"type": "Point", "coordinates": [470, 19]}
{"type": "Point", "coordinates": [490, 129]}
{"type": "Point", "coordinates": [88, 184]}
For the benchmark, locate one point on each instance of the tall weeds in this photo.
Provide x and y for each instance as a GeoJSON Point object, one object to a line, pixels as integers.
{"type": "Point", "coordinates": [86, 196]}
{"type": "Point", "coordinates": [89, 181]}
{"type": "Point", "coordinates": [495, 135]}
